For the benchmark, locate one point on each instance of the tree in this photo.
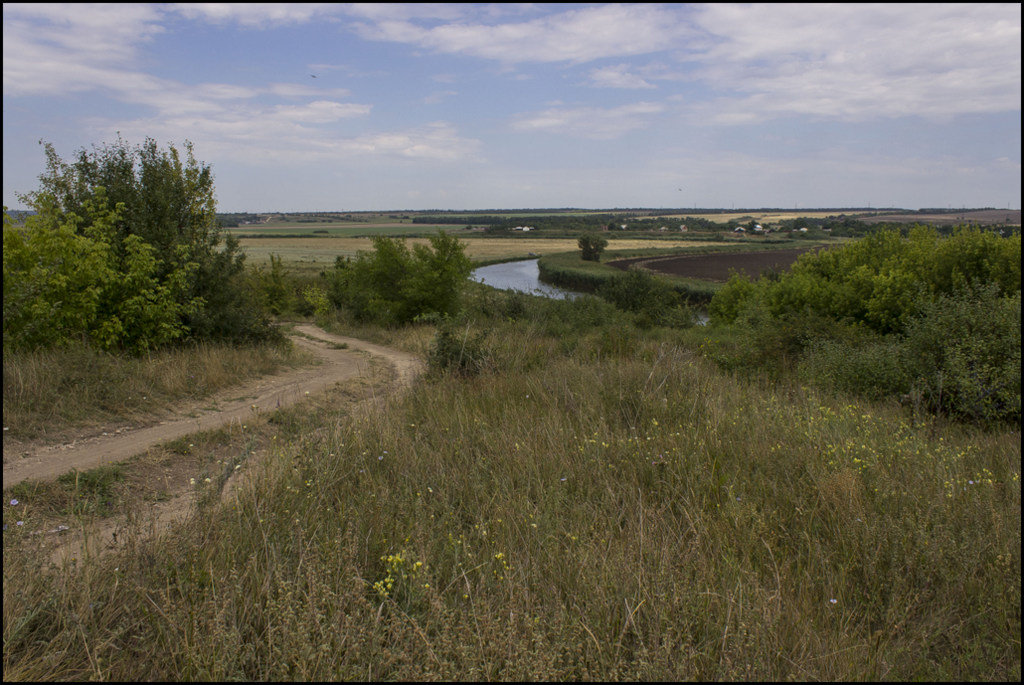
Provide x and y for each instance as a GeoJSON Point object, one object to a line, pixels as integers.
{"type": "Point", "coordinates": [64, 280]}
{"type": "Point", "coordinates": [592, 245]}
{"type": "Point", "coordinates": [394, 285]}
{"type": "Point", "coordinates": [167, 202]}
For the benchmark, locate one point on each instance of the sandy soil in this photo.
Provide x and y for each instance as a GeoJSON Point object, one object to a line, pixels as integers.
{"type": "Point", "coordinates": [47, 462]}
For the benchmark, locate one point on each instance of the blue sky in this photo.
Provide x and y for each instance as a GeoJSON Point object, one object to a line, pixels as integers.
{"type": "Point", "coordinates": [474, 106]}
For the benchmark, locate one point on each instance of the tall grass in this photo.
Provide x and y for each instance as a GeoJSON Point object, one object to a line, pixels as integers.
{"type": "Point", "coordinates": [601, 504]}
{"type": "Point", "coordinates": [49, 391]}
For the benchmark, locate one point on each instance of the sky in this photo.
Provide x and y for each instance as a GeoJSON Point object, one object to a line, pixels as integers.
{"type": "Point", "coordinates": [302, 107]}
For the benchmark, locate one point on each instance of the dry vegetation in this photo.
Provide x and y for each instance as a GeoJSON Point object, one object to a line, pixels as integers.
{"type": "Point", "coordinates": [323, 251]}
{"type": "Point", "coordinates": [600, 503]}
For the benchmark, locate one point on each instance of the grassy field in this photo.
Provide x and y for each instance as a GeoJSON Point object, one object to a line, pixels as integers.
{"type": "Point", "coordinates": [598, 503]}
{"type": "Point", "coordinates": [48, 392]}
{"type": "Point", "coordinates": [341, 229]}
{"type": "Point", "coordinates": [321, 252]}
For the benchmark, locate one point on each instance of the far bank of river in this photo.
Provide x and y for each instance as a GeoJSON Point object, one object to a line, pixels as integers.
{"type": "Point", "coordinates": [525, 277]}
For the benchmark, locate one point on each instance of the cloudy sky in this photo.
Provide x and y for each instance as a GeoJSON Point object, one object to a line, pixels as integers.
{"type": "Point", "coordinates": [472, 106]}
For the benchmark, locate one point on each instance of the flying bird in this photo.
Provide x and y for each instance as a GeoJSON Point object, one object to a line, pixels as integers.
{"type": "Point", "coordinates": [312, 76]}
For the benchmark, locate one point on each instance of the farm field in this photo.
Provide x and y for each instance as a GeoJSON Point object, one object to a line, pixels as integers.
{"type": "Point", "coordinates": [340, 229]}
{"type": "Point", "coordinates": [717, 267]}
{"type": "Point", "coordinates": [320, 252]}
{"type": "Point", "coordinates": [979, 216]}
{"type": "Point", "coordinates": [770, 217]}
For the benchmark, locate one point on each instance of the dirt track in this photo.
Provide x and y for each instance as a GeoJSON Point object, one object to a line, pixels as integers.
{"type": "Point", "coordinates": [264, 394]}
{"type": "Point", "coordinates": [67, 543]}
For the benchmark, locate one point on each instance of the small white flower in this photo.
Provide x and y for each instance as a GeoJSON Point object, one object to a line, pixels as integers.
{"type": "Point", "coordinates": [833, 601]}
{"type": "Point", "coordinates": [20, 523]}
{"type": "Point", "coordinates": [14, 502]}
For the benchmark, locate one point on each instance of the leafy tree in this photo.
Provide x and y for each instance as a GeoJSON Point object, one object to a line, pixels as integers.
{"type": "Point", "coordinates": [882, 280]}
{"type": "Point", "coordinates": [925, 318]}
{"type": "Point", "coordinates": [64, 280]}
{"type": "Point", "coordinates": [591, 245]}
{"type": "Point", "coordinates": [394, 285]}
{"type": "Point", "coordinates": [167, 202]}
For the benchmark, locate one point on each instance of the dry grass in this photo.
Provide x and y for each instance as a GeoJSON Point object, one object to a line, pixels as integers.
{"type": "Point", "coordinates": [600, 505]}
{"type": "Point", "coordinates": [322, 252]}
{"type": "Point", "coordinates": [50, 392]}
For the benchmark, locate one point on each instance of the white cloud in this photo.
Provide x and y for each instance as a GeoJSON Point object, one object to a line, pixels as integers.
{"type": "Point", "coordinates": [577, 35]}
{"type": "Point", "coordinates": [53, 49]}
{"type": "Point", "coordinates": [617, 76]}
{"type": "Point", "coordinates": [320, 112]}
{"type": "Point", "coordinates": [590, 122]}
{"type": "Point", "coordinates": [857, 62]}
{"type": "Point", "coordinates": [255, 15]}
{"type": "Point", "coordinates": [439, 96]}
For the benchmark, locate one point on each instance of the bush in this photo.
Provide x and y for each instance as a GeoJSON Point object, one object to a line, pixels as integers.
{"type": "Point", "coordinates": [591, 246]}
{"type": "Point", "coordinates": [393, 285]}
{"type": "Point", "coordinates": [874, 369]}
{"type": "Point", "coordinates": [881, 280]}
{"type": "Point", "coordinates": [964, 355]}
{"type": "Point", "coordinates": [456, 351]}
{"type": "Point", "coordinates": [960, 357]}
{"type": "Point", "coordinates": [66, 279]}
{"type": "Point", "coordinates": [654, 302]}
{"type": "Point", "coordinates": [165, 221]}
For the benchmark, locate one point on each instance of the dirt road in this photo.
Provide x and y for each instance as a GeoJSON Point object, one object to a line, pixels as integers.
{"type": "Point", "coordinates": [343, 359]}
{"type": "Point", "coordinates": [236, 405]}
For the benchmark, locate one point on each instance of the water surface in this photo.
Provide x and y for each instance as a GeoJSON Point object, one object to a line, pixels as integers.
{"type": "Point", "coordinates": [523, 276]}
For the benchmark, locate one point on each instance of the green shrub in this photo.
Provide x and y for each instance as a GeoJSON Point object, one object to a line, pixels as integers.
{"type": "Point", "coordinates": [165, 223]}
{"type": "Point", "coordinates": [393, 285]}
{"type": "Point", "coordinates": [964, 355]}
{"type": "Point", "coordinates": [880, 280]}
{"type": "Point", "coordinates": [456, 351]}
{"type": "Point", "coordinates": [66, 279]}
{"type": "Point", "coordinates": [873, 369]}
{"type": "Point", "coordinates": [654, 302]}
{"type": "Point", "coordinates": [591, 246]}
{"type": "Point", "coordinates": [960, 356]}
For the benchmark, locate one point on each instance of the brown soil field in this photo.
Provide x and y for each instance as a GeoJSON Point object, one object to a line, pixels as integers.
{"type": "Point", "coordinates": [716, 267]}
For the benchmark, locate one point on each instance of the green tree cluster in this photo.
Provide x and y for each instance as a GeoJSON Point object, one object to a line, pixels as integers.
{"type": "Point", "coordinates": [930, 320]}
{"type": "Point", "coordinates": [147, 216]}
{"type": "Point", "coordinates": [395, 285]}
{"type": "Point", "coordinates": [880, 281]}
{"type": "Point", "coordinates": [654, 302]}
{"type": "Point", "coordinates": [591, 246]}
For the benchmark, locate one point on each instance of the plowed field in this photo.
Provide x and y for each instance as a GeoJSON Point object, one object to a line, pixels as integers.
{"type": "Point", "coordinates": [717, 267]}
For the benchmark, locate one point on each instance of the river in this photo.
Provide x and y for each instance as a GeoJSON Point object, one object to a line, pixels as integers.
{"type": "Point", "coordinates": [523, 276]}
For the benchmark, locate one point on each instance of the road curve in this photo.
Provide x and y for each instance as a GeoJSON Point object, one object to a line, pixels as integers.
{"type": "Point", "coordinates": [237, 404]}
